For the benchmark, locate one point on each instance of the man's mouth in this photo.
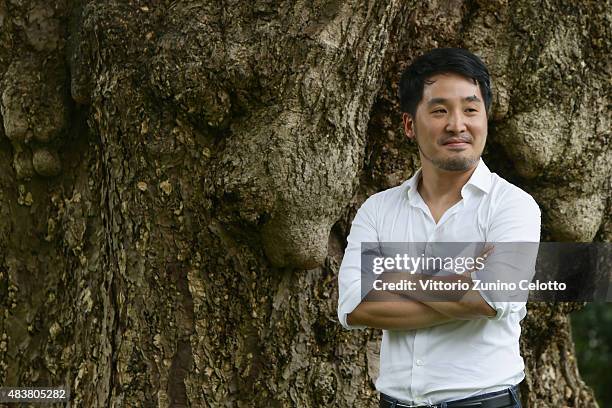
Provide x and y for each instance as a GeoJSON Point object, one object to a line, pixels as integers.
{"type": "Point", "coordinates": [456, 142]}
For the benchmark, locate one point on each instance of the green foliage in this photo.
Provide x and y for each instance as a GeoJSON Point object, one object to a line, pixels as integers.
{"type": "Point", "coordinates": [592, 332]}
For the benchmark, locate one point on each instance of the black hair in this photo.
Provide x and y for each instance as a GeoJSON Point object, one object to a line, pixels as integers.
{"type": "Point", "coordinates": [440, 61]}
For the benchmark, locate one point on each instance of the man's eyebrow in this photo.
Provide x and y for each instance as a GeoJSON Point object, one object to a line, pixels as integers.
{"type": "Point", "coordinates": [472, 98]}
{"type": "Point", "coordinates": [435, 101]}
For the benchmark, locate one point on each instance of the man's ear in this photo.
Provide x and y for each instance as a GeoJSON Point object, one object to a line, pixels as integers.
{"type": "Point", "coordinates": [408, 125]}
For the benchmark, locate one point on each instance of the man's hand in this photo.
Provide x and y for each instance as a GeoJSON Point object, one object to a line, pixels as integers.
{"type": "Point", "coordinates": [471, 305]}
{"type": "Point", "coordinates": [457, 303]}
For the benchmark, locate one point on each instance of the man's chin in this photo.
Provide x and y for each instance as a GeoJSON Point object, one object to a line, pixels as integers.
{"type": "Point", "coordinates": [456, 163]}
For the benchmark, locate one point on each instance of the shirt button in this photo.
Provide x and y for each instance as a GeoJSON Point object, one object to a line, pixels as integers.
{"type": "Point", "coordinates": [419, 362]}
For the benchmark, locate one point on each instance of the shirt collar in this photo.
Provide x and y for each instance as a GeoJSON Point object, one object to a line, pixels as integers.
{"type": "Point", "coordinates": [481, 179]}
{"type": "Point", "coordinates": [412, 185]}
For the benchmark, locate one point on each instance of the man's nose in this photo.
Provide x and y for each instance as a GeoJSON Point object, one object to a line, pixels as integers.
{"type": "Point", "coordinates": [456, 123]}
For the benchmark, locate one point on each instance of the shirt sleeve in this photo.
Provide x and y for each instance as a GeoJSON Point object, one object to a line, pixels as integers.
{"type": "Point", "coordinates": [516, 220]}
{"type": "Point", "coordinates": [363, 229]}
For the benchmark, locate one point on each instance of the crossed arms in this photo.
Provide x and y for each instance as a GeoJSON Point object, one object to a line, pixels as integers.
{"type": "Point", "coordinates": [517, 221]}
{"type": "Point", "coordinates": [396, 311]}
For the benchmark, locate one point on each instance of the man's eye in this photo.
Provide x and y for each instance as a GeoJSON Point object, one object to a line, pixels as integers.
{"type": "Point", "coordinates": [471, 110]}
{"type": "Point", "coordinates": [439, 111]}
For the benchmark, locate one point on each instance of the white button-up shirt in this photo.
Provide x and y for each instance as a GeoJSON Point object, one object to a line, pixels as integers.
{"type": "Point", "coordinates": [461, 358]}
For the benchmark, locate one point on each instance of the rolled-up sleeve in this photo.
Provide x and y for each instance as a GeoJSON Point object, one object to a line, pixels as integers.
{"type": "Point", "coordinates": [516, 220]}
{"type": "Point", "coordinates": [363, 229]}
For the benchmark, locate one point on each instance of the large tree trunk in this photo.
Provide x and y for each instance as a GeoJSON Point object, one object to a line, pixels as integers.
{"type": "Point", "coordinates": [178, 179]}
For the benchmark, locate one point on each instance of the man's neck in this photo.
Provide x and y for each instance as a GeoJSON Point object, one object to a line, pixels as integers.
{"type": "Point", "coordinates": [441, 186]}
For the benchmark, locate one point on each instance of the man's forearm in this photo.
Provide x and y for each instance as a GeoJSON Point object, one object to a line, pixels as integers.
{"type": "Point", "coordinates": [396, 313]}
{"type": "Point", "coordinates": [464, 309]}
{"type": "Point", "coordinates": [458, 304]}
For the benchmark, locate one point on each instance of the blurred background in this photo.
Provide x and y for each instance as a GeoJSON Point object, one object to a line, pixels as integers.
{"type": "Point", "coordinates": [592, 332]}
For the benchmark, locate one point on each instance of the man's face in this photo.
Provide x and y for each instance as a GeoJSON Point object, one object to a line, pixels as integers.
{"type": "Point", "coordinates": [450, 126]}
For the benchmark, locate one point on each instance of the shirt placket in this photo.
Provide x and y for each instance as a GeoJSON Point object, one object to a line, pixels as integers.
{"type": "Point", "coordinates": [419, 365]}
{"type": "Point", "coordinates": [420, 357]}
{"type": "Point", "coordinates": [419, 348]}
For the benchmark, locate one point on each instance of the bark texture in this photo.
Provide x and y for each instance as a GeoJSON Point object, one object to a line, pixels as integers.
{"type": "Point", "coordinates": [177, 180]}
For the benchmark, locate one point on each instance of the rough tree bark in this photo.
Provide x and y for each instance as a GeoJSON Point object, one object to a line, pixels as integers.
{"type": "Point", "coordinates": [178, 178]}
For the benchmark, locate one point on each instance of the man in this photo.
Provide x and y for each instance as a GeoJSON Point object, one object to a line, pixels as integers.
{"type": "Point", "coordinates": [455, 353]}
